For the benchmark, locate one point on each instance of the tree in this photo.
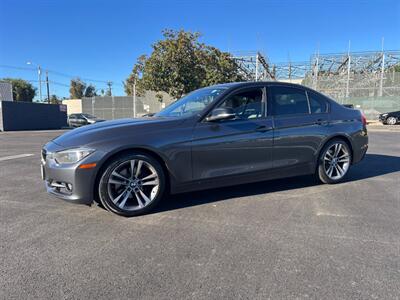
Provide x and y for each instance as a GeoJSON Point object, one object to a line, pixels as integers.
{"type": "Point", "coordinates": [77, 89]}
{"type": "Point", "coordinates": [90, 91]}
{"type": "Point", "coordinates": [180, 64]}
{"type": "Point", "coordinates": [54, 99]}
{"type": "Point", "coordinates": [160, 98]}
{"type": "Point", "coordinates": [21, 89]}
{"type": "Point", "coordinates": [108, 91]}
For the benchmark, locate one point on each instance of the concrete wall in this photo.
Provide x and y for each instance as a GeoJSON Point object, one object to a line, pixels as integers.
{"type": "Point", "coordinates": [31, 116]}
{"type": "Point", "coordinates": [116, 107]}
{"type": "Point", "coordinates": [74, 106]}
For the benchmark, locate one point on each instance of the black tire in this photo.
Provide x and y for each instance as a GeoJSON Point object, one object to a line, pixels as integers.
{"type": "Point", "coordinates": [321, 169]}
{"type": "Point", "coordinates": [103, 190]}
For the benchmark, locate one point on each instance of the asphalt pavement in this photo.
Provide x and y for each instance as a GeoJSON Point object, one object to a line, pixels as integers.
{"type": "Point", "coordinates": [282, 239]}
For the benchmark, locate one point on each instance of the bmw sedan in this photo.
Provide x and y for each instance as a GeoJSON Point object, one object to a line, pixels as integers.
{"type": "Point", "coordinates": [77, 120]}
{"type": "Point", "coordinates": [390, 118]}
{"type": "Point", "coordinates": [216, 136]}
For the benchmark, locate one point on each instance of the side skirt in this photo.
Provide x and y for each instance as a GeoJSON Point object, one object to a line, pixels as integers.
{"type": "Point", "coordinates": [225, 181]}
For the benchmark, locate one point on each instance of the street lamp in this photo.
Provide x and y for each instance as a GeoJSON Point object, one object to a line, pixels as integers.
{"type": "Point", "coordinates": [39, 76]}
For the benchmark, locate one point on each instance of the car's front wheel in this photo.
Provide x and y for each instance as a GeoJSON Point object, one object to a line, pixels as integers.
{"type": "Point", "coordinates": [391, 121]}
{"type": "Point", "coordinates": [334, 161]}
{"type": "Point", "coordinates": [131, 184]}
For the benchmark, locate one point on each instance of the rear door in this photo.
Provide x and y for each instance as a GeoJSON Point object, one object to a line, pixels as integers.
{"type": "Point", "coordinates": [239, 146]}
{"type": "Point", "coordinates": [300, 125]}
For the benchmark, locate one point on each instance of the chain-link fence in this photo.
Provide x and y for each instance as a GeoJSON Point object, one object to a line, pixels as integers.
{"type": "Point", "coordinates": [369, 80]}
{"type": "Point", "coordinates": [370, 92]}
{"type": "Point", "coordinates": [117, 107]}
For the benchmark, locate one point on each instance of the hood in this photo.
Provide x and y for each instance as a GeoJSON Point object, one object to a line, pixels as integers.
{"type": "Point", "coordinates": [114, 129]}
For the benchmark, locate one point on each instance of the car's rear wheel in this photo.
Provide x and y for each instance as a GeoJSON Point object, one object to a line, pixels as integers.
{"type": "Point", "coordinates": [334, 161]}
{"type": "Point", "coordinates": [391, 121]}
{"type": "Point", "coordinates": [132, 185]}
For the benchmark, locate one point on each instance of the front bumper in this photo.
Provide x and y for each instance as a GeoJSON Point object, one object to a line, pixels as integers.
{"type": "Point", "coordinates": [81, 180]}
{"type": "Point", "coordinates": [382, 118]}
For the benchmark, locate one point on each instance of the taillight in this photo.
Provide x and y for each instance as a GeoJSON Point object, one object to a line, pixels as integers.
{"type": "Point", "coordinates": [363, 119]}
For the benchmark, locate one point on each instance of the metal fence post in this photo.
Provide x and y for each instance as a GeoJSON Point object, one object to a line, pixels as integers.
{"type": "Point", "coordinates": [382, 72]}
{"type": "Point", "coordinates": [348, 72]}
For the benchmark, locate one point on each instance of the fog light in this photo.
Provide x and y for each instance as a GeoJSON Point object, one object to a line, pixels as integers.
{"type": "Point", "coordinates": [69, 187]}
{"type": "Point", "coordinates": [62, 187]}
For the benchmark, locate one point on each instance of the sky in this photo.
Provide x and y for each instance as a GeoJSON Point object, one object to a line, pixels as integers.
{"type": "Point", "coordinates": [99, 40]}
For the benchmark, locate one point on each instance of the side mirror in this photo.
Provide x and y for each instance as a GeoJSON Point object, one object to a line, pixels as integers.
{"type": "Point", "coordinates": [221, 113]}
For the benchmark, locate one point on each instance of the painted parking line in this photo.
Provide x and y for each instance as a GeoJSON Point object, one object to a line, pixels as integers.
{"type": "Point", "coordinates": [15, 156]}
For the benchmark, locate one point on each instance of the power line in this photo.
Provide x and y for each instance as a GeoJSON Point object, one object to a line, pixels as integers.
{"type": "Point", "coordinates": [105, 82]}
{"type": "Point", "coordinates": [76, 76]}
{"type": "Point", "coordinates": [18, 68]}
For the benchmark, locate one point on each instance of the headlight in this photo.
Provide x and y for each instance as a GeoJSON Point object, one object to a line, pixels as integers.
{"type": "Point", "coordinates": [71, 156]}
{"type": "Point", "coordinates": [384, 115]}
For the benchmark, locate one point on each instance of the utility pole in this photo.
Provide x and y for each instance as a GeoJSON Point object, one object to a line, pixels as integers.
{"type": "Point", "coordinates": [39, 77]}
{"type": "Point", "coordinates": [257, 67]}
{"type": "Point", "coordinates": [40, 83]}
{"type": "Point", "coordinates": [316, 69]}
{"type": "Point", "coordinates": [47, 85]}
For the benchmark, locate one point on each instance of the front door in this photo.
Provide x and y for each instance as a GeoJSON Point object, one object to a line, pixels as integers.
{"type": "Point", "coordinates": [237, 146]}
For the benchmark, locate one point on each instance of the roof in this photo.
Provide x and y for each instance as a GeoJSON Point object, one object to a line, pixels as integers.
{"type": "Point", "coordinates": [252, 83]}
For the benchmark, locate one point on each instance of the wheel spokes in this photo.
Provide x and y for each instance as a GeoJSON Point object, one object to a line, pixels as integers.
{"type": "Point", "coordinates": [145, 198]}
{"type": "Point", "coordinates": [330, 171]}
{"type": "Point", "coordinates": [339, 169]}
{"type": "Point", "coordinates": [126, 188]}
{"type": "Point", "coordinates": [138, 168]}
{"type": "Point", "coordinates": [114, 173]}
{"type": "Point", "coordinates": [338, 147]}
{"type": "Point", "coordinates": [336, 161]}
{"type": "Point", "coordinates": [153, 182]}
{"type": "Point", "coordinates": [151, 176]}
{"type": "Point", "coordinates": [132, 163]}
{"type": "Point", "coordinates": [343, 159]}
{"type": "Point", "coordinates": [116, 200]}
{"type": "Point", "coordinates": [117, 181]}
{"type": "Point", "coordinates": [140, 203]}
{"type": "Point", "coordinates": [122, 203]}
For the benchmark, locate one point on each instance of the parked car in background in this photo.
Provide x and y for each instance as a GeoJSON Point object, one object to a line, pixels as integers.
{"type": "Point", "coordinates": [390, 118]}
{"type": "Point", "coordinates": [217, 136]}
{"type": "Point", "coordinates": [348, 105]}
{"type": "Point", "coordinates": [77, 120]}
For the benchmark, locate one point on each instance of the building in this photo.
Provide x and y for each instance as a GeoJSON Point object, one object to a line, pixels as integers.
{"type": "Point", "coordinates": [74, 106]}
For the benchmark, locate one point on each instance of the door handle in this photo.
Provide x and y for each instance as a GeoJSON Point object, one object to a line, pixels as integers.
{"type": "Point", "coordinates": [319, 122]}
{"type": "Point", "coordinates": [263, 128]}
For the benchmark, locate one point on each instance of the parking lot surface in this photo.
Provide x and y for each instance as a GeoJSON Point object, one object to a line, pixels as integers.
{"type": "Point", "coordinates": [289, 238]}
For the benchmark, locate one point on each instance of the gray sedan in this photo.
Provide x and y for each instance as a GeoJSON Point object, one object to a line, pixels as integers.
{"type": "Point", "coordinates": [216, 136]}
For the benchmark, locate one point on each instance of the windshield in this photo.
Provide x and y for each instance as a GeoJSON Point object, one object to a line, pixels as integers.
{"type": "Point", "coordinates": [89, 116]}
{"type": "Point", "coordinates": [192, 103]}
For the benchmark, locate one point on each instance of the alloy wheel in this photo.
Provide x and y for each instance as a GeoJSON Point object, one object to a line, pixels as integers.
{"type": "Point", "coordinates": [391, 121]}
{"type": "Point", "coordinates": [336, 161]}
{"type": "Point", "coordinates": [133, 185]}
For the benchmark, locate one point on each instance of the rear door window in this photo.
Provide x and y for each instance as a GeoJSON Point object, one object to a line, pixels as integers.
{"type": "Point", "coordinates": [318, 104]}
{"type": "Point", "coordinates": [288, 101]}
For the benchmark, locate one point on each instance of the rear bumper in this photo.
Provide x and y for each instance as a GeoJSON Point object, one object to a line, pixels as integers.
{"type": "Point", "coordinates": [360, 146]}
